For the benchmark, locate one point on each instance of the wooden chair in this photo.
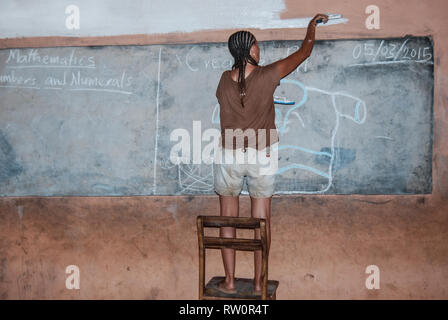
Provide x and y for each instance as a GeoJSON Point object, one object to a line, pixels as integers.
{"type": "Point", "coordinates": [244, 287]}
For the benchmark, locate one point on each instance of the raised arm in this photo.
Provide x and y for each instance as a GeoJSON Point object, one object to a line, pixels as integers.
{"type": "Point", "coordinates": [291, 62]}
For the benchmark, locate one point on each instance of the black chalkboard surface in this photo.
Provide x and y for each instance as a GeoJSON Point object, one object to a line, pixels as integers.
{"type": "Point", "coordinates": [97, 121]}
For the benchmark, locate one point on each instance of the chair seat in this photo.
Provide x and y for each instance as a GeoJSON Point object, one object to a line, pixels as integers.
{"type": "Point", "coordinates": [244, 289]}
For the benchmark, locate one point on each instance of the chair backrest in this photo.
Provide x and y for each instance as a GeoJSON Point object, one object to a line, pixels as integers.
{"type": "Point", "coordinates": [232, 243]}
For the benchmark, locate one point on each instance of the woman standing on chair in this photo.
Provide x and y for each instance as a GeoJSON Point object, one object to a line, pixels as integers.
{"type": "Point", "coordinates": [245, 95]}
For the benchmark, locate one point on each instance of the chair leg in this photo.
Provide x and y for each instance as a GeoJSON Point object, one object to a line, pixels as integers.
{"type": "Point", "coordinates": [201, 257]}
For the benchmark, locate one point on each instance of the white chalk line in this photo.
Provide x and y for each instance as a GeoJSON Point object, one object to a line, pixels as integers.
{"type": "Point", "coordinates": [401, 48]}
{"type": "Point", "coordinates": [75, 89]}
{"type": "Point", "coordinates": [383, 137]}
{"type": "Point", "coordinates": [389, 62]}
{"type": "Point", "coordinates": [300, 118]}
{"type": "Point", "coordinates": [101, 90]}
{"type": "Point", "coordinates": [44, 66]}
{"type": "Point", "coordinates": [19, 87]}
{"type": "Point", "coordinates": [157, 123]}
{"type": "Point", "coordinates": [197, 179]}
{"type": "Point", "coordinates": [378, 51]}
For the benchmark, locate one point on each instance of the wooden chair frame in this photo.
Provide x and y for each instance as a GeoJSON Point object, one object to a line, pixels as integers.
{"type": "Point", "coordinates": [232, 243]}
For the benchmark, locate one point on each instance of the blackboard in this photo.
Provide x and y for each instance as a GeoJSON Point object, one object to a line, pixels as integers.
{"type": "Point", "coordinates": [96, 121]}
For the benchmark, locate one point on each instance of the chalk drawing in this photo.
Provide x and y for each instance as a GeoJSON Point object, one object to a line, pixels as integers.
{"type": "Point", "coordinates": [190, 178]}
{"type": "Point", "coordinates": [284, 122]}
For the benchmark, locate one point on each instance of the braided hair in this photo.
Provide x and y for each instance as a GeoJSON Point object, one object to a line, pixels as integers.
{"type": "Point", "coordinates": [239, 46]}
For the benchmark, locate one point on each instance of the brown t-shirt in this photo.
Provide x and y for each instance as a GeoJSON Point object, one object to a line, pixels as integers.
{"type": "Point", "coordinates": [258, 112]}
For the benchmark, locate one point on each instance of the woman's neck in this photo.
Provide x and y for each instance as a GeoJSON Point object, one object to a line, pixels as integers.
{"type": "Point", "coordinates": [249, 69]}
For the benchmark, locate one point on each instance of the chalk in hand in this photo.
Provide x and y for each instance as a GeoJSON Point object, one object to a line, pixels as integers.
{"type": "Point", "coordinates": [330, 17]}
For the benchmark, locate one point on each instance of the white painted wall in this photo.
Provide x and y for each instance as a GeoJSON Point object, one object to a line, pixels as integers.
{"type": "Point", "coordinates": [31, 18]}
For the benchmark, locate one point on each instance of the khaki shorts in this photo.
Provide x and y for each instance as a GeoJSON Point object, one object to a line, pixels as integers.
{"type": "Point", "coordinates": [258, 167]}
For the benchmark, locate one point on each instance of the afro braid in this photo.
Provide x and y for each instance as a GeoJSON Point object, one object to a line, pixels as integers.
{"type": "Point", "coordinates": [239, 46]}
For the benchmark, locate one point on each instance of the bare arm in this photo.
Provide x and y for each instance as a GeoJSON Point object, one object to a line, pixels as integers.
{"type": "Point", "coordinates": [290, 63]}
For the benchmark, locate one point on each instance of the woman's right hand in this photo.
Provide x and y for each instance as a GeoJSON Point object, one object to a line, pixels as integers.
{"type": "Point", "coordinates": [318, 16]}
{"type": "Point", "coordinates": [291, 62]}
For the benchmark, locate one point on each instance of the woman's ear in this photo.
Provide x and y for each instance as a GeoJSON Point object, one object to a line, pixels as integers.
{"type": "Point", "coordinates": [255, 52]}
